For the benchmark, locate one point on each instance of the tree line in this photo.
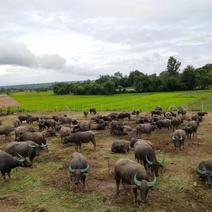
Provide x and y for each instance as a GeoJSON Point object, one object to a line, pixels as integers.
{"type": "Point", "coordinates": [172, 79]}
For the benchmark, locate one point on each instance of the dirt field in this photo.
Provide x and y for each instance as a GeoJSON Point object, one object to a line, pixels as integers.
{"type": "Point", "coordinates": [7, 101]}
{"type": "Point", "coordinates": [45, 187]}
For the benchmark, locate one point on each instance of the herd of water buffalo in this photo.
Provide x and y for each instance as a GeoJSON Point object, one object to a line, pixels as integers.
{"type": "Point", "coordinates": [141, 174]}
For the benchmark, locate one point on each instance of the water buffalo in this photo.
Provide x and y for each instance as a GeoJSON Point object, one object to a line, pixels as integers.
{"type": "Point", "coordinates": [191, 128]}
{"type": "Point", "coordinates": [136, 112]}
{"type": "Point", "coordinates": [124, 115]}
{"type": "Point", "coordinates": [146, 154]}
{"type": "Point", "coordinates": [163, 123]}
{"type": "Point", "coordinates": [62, 119]}
{"type": "Point", "coordinates": [202, 113]}
{"type": "Point", "coordinates": [156, 112]}
{"type": "Point", "coordinates": [85, 113]}
{"type": "Point", "coordinates": [32, 119]}
{"type": "Point", "coordinates": [135, 141]}
{"type": "Point", "coordinates": [134, 174]}
{"type": "Point", "coordinates": [175, 122]}
{"type": "Point", "coordinates": [93, 110]}
{"type": "Point", "coordinates": [99, 126]}
{"type": "Point", "coordinates": [117, 128]}
{"type": "Point", "coordinates": [204, 171]}
{"type": "Point", "coordinates": [144, 129]}
{"type": "Point", "coordinates": [6, 130]}
{"type": "Point", "coordinates": [21, 129]}
{"type": "Point", "coordinates": [83, 126]}
{"type": "Point", "coordinates": [182, 111]}
{"type": "Point", "coordinates": [78, 167]}
{"type": "Point", "coordinates": [79, 138]}
{"type": "Point", "coordinates": [25, 149]}
{"type": "Point", "coordinates": [37, 137]}
{"type": "Point", "coordinates": [196, 117]}
{"type": "Point", "coordinates": [64, 131]}
{"type": "Point", "coordinates": [24, 118]}
{"type": "Point", "coordinates": [7, 162]}
{"type": "Point", "coordinates": [120, 146]}
{"type": "Point", "coordinates": [16, 123]}
{"type": "Point", "coordinates": [178, 138]}
{"type": "Point", "coordinates": [47, 123]}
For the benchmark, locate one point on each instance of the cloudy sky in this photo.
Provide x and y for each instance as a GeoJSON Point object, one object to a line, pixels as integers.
{"type": "Point", "coordinates": [49, 40]}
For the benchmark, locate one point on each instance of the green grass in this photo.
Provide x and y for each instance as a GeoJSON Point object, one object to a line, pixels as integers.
{"type": "Point", "coordinates": [44, 101]}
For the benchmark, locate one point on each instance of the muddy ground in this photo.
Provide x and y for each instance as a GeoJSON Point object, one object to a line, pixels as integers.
{"type": "Point", "coordinates": [46, 186]}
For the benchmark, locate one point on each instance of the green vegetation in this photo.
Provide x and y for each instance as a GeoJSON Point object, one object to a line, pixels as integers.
{"type": "Point", "coordinates": [44, 101]}
{"type": "Point", "coordinates": [169, 80]}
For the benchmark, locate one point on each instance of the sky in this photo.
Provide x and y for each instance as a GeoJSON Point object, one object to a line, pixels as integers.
{"type": "Point", "coordinates": [48, 40]}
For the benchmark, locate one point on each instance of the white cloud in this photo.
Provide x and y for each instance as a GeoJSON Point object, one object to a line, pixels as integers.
{"type": "Point", "coordinates": [80, 39]}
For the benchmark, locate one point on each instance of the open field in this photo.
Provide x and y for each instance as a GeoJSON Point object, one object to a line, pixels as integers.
{"type": "Point", "coordinates": [45, 187]}
{"type": "Point", "coordinates": [44, 101]}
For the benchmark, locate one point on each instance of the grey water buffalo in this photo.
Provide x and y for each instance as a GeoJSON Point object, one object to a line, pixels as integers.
{"type": "Point", "coordinates": [82, 126]}
{"type": "Point", "coordinates": [204, 171]}
{"type": "Point", "coordinates": [64, 131]}
{"type": "Point", "coordinates": [78, 168]}
{"type": "Point", "coordinates": [99, 126]}
{"type": "Point", "coordinates": [24, 118]}
{"type": "Point", "coordinates": [146, 128]}
{"type": "Point", "coordinates": [79, 138]}
{"type": "Point", "coordinates": [37, 137]}
{"type": "Point", "coordinates": [28, 149]}
{"type": "Point", "coordinates": [163, 123]}
{"type": "Point", "coordinates": [16, 123]}
{"type": "Point", "coordinates": [144, 153]}
{"type": "Point", "coordinates": [134, 174]}
{"type": "Point", "coordinates": [6, 130]}
{"type": "Point", "coordinates": [7, 163]}
{"type": "Point", "coordinates": [117, 128]}
{"type": "Point", "coordinates": [175, 122]}
{"type": "Point", "coordinates": [191, 128]}
{"type": "Point", "coordinates": [143, 119]}
{"type": "Point", "coordinates": [120, 146]}
{"type": "Point", "coordinates": [47, 124]}
{"type": "Point", "coordinates": [178, 138]}
{"type": "Point", "coordinates": [182, 111]}
{"type": "Point", "coordinates": [136, 141]}
{"type": "Point", "coordinates": [21, 129]}
{"type": "Point", "coordinates": [196, 117]}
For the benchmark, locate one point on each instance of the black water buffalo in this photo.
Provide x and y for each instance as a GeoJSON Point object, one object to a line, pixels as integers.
{"type": "Point", "coordinates": [78, 167]}
{"type": "Point", "coordinates": [7, 162]}
{"type": "Point", "coordinates": [124, 115]}
{"type": "Point", "coordinates": [93, 111]}
{"type": "Point", "coordinates": [144, 153]}
{"type": "Point", "coordinates": [191, 128]}
{"type": "Point", "coordinates": [146, 128]}
{"type": "Point", "coordinates": [156, 112]}
{"type": "Point", "coordinates": [25, 148]}
{"type": "Point", "coordinates": [24, 118]}
{"type": "Point", "coordinates": [143, 119]}
{"type": "Point", "coordinates": [163, 123]}
{"type": "Point", "coordinates": [202, 113]}
{"type": "Point", "coordinates": [32, 119]}
{"type": "Point", "coordinates": [85, 113]}
{"type": "Point", "coordinates": [178, 138]}
{"type": "Point", "coordinates": [37, 137]}
{"type": "Point", "coordinates": [136, 112]}
{"type": "Point", "coordinates": [134, 174]}
{"type": "Point", "coordinates": [196, 117]}
{"type": "Point", "coordinates": [120, 146]}
{"type": "Point", "coordinates": [204, 171]}
{"type": "Point", "coordinates": [6, 130]}
{"type": "Point", "coordinates": [79, 138]}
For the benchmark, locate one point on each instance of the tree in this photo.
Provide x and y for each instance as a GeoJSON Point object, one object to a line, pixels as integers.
{"type": "Point", "coordinates": [173, 66]}
{"type": "Point", "coordinates": [188, 78]}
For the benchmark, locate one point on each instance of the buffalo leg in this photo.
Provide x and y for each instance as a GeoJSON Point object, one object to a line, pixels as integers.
{"type": "Point", "coordinates": [135, 193]}
{"type": "Point", "coordinates": [118, 180]}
